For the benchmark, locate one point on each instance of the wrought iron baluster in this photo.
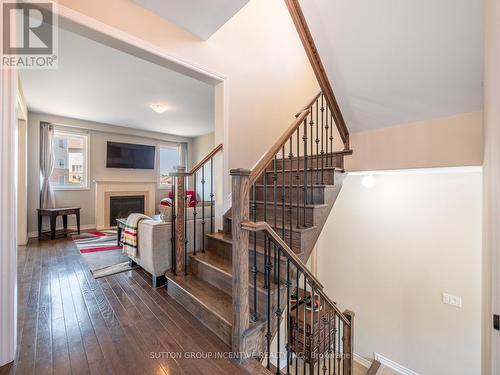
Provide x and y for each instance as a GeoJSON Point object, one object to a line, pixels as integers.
{"type": "Point", "coordinates": [278, 314]}
{"type": "Point", "coordinates": [311, 124]}
{"type": "Point", "coordinates": [322, 138]}
{"type": "Point", "coordinates": [304, 322]}
{"type": "Point", "coordinates": [203, 208]}
{"type": "Point", "coordinates": [185, 227]}
{"type": "Point", "coordinates": [194, 213]}
{"type": "Point", "coordinates": [211, 195]}
{"type": "Point", "coordinates": [327, 126]}
{"type": "Point", "coordinates": [288, 330]}
{"type": "Point", "coordinates": [265, 214]}
{"type": "Point", "coordinates": [254, 266]}
{"type": "Point", "coordinates": [268, 268]}
{"type": "Point", "coordinates": [317, 140]}
{"type": "Point", "coordinates": [320, 332]}
{"type": "Point", "coordinates": [174, 258]}
{"type": "Point", "coordinates": [290, 210]}
{"type": "Point", "coordinates": [304, 184]}
{"type": "Point", "coordinates": [312, 353]}
{"type": "Point", "coordinates": [331, 140]}
{"type": "Point", "coordinates": [297, 179]}
{"type": "Point", "coordinates": [296, 325]}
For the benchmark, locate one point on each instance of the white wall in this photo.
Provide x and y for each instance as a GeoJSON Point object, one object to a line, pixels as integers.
{"type": "Point", "coordinates": [99, 135]}
{"type": "Point", "coordinates": [491, 201]}
{"type": "Point", "coordinates": [388, 253]}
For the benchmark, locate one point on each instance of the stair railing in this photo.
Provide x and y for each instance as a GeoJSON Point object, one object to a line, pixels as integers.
{"type": "Point", "coordinates": [185, 237]}
{"type": "Point", "coordinates": [318, 336]}
{"type": "Point", "coordinates": [287, 176]}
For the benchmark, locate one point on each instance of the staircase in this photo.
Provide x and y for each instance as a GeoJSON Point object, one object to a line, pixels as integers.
{"type": "Point", "coordinates": [279, 210]}
{"type": "Point", "coordinates": [248, 282]}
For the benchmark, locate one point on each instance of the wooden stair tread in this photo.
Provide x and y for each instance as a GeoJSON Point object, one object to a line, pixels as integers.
{"type": "Point", "coordinates": [226, 237]}
{"type": "Point", "coordinates": [278, 227]}
{"type": "Point", "coordinates": [209, 296]}
{"type": "Point", "coordinates": [301, 205]}
{"type": "Point", "coordinates": [224, 265]}
{"type": "Point", "coordinates": [312, 170]}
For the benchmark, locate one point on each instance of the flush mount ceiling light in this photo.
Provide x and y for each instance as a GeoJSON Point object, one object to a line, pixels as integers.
{"type": "Point", "coordinates": [158, 108]}
{"type": "Point", "coordinates": [368, 181]}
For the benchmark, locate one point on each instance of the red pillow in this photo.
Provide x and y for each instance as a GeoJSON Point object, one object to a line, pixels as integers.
{"type": "Point", "coordinates": [168, 201]}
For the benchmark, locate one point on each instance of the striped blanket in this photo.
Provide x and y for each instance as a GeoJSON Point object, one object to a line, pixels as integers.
{"type": "Point", "coordinates": [129, 235]}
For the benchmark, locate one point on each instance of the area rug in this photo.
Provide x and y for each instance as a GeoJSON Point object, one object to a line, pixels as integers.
{"type": "Point", "coordinates": [101, 253]}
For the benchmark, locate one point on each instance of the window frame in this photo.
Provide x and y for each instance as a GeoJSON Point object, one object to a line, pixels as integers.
{"type": "Point", "coordinates": [86, 160]}
{"type": "Point", "coordinates": [159, 147]}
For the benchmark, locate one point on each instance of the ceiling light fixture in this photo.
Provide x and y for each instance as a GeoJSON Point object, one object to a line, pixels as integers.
{"type": "Point", "coordinates": [158, 108]}
{"type": "Point", "coordinates": [368, 181]}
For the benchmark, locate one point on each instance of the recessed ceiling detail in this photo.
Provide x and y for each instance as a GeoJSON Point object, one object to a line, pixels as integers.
{"type": "Point", "coordinates": [200, 17]}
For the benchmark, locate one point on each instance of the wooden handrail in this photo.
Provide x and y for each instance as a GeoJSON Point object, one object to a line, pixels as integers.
{"type": "Point", "coordinates": [276, 147]}
{"type": "Point", "coordinates": [262, 226]}
{"type": "Point", "coordinates": [309, 105]}
{"type": "Point", "coordinates": [318, 68]}
{"type": "Point", "coordinates": [209, 156]}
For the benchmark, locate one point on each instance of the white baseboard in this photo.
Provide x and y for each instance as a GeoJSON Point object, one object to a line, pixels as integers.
{"type": "Point", "coordinates": [393, 365]}
{"type": "Point", "coordinates": [362, 361]}
{"type": "Point", "coordinates": [73, 227]}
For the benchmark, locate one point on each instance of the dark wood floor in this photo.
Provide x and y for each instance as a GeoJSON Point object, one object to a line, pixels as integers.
{"type": "Point", "coordinates": [69, 322]}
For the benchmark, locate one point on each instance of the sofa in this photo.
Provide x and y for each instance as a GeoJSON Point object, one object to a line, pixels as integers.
{"type": "Point", "coordinates": [154, 241]}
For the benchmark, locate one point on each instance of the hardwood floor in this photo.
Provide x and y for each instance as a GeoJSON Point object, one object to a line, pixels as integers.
{"type": "Point", "coordinates": [69, 322]}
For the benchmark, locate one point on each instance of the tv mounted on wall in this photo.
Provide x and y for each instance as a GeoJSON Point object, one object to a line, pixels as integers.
{"type": "Point", "coordinates": [126, 155]}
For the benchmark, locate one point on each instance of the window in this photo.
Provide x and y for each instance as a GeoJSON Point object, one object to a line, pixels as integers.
{"type": "Point", "coordinates": [169, 157]}
{"type": "Point", "coordinates": [70, 155]}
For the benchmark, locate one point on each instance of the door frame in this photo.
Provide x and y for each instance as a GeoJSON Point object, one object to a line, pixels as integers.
{"type": "Point", "coordinates": [112, 37]}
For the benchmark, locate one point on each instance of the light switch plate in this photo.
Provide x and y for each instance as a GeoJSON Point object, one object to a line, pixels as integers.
{"type": "Point", "coordinates": [452, 300]}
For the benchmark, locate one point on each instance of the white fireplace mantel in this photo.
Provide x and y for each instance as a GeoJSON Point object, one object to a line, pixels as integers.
{"type": "Point", "coordinates": [105, 189]}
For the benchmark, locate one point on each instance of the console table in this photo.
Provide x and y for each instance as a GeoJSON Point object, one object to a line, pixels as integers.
{"type": "Point", "coordinates": [53, 213]}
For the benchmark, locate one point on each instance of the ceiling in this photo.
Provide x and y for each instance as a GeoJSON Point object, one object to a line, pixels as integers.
{"type": "Point", "coordinates": [200, 17]}
{"type": "Point", "coordinates": [98, 83]}
{"type": "Point", "coordinates": [393, 62]}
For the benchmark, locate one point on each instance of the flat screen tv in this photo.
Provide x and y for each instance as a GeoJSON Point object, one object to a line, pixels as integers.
{"type": "Point", "coordinates": [126, 155]}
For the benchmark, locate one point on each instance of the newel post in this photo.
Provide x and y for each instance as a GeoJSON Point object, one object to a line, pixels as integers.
{"type": "Point", "coordinates": [179, 203]}
{"type": "Point", "coordinates": [349, 343]}
{"type": "Point", "coordinates": [240, 213]}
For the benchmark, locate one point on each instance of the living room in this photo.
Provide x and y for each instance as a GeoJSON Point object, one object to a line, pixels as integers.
{"type": "Point", "coordinates": [112, 149]}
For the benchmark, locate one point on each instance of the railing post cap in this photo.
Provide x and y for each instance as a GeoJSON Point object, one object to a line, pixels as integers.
{"type": "Point", "coordinates": [179, 168]}
{"type": "Point", "coordinates": [240, 172]}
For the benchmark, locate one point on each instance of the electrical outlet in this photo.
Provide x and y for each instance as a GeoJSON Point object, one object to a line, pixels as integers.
{"type": "Point", "coordinates": [452, 300]}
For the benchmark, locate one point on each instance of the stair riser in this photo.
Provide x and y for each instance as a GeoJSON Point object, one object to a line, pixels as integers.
{"type": "Point", "coordinates": [315, 195]}
{"type": "Point", "coordinates": [299, 239]}
{"type": "Point", "coordinates": [312, 161]}
{"type": "Point", "coordinates": [224, 249]}
{"type": "Point", "coordinates": [213, 322]}
{"type": "Point", "coordinates": [270, 211]}
{"type": "Point", "coordinates": [312, 178]}
{"type": "Point", "coordinates": [224, 282]}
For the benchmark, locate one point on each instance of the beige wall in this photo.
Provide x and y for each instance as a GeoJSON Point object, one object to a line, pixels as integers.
{"type": "Point", "coordinates": [388, 253]}
{"type": "Point", "coordinates": [99, 134]}
{"type": "Point", "coordinates": [202, 145]}
{"type": "Point", "coordinates": [268, 76]}
{"type": "Point", "coordinates": [448, 141]}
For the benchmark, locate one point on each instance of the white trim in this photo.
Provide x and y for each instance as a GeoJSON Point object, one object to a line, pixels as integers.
{"type": "Point", "coordinates": [8, 221]}
{"type": "Point", "coordinates": [91, 28]}
{"type": "Point", "coordinates": [393, 365]}
{"type": "Point", "coordinates": [72, 227]}
{"type": "Point", "coordinates": [464, 169]}
{"type": "Point", "coordinates": [362, 361]}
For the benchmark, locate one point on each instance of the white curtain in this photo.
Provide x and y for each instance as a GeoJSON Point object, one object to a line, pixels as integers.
{"type": "Point", "coordinates": [46, 165]}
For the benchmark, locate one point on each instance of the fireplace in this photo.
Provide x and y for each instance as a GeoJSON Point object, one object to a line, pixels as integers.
{"type": "Point", "coordinates": [122, 206]}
